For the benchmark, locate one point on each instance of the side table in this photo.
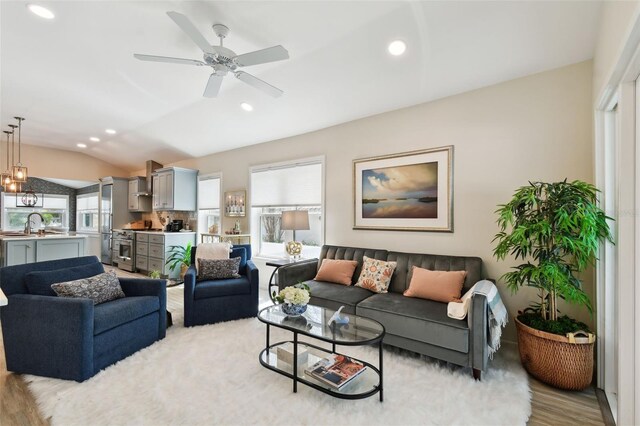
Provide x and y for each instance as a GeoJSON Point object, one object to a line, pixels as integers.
{"type": "Point", "coordinates": [277, 264]}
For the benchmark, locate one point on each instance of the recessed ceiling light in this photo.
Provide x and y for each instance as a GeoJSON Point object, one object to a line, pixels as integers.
{"type": "Point", "coordinates": [245, 106]}
{"type": "Point", "coordinates": [41, 11]}
{"type": "Point", "coordinates": [94, 139]}
{"type": "Point", "coordinates": [397, 47]}
{"type": "Point", "coordinates": [82, 145]}
{"type": "Point", "coordinates": [110, 131]}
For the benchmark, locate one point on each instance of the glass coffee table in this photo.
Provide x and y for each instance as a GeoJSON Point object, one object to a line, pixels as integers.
{"type": "Point", "coordinates": [314, 323]}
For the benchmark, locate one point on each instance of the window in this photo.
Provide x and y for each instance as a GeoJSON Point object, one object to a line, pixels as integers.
{"type": "Point", "coordinates": [87, 212]}
{"type": "Point", "coordinates": [208, 205]}
{"type": "Point", "coordinates": [289, 186]}
{"type": "Point", "coordinates": [54, 209]}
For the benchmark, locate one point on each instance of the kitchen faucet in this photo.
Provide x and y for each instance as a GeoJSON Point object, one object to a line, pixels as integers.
{"type": "Point", "coordinates": [27, 226]}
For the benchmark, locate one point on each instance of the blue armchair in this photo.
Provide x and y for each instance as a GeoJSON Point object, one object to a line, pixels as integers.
{"type": "Point", "coordinates": [208, 302]}
{"type": "Point", "coordinates": [70, 338]}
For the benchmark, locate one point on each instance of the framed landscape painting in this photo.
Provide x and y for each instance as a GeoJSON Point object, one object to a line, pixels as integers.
{"type": "Point", "coordinates": [411, 191]}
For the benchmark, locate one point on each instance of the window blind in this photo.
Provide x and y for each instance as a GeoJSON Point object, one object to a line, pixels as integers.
{"type": "Point", "coordinates": [209, 193]}
{"type": "Point", "coordinates": [295, 185]}
{"type": "Point", "coordinates": [87, 202]}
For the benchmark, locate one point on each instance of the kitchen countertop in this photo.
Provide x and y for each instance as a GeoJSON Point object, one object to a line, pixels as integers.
{"type": "Point", "coordinates": [35, 236]}
{"type": "Point", "coordinates": [163, 232]}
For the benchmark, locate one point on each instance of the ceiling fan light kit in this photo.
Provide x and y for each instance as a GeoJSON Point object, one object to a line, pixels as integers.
{"type": "Point", "coordinates": [221, 59]}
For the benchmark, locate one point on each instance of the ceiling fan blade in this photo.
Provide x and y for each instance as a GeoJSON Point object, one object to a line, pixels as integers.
{"type": "Point", "coordinates": [213, 86]}
{"type": "Point", "coordinates": [259, 84]}
{"type": "Point", "coordinates": [270, 54]}
{"type": "Point", "coordinates": [153, 58]}
{"type": "Point", "coordinates": [187, 26]}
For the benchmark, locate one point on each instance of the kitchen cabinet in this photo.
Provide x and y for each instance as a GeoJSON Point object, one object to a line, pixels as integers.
{"type": "Point", "coordinates": [30, 249]}
{"type": "Point", "coordinates": [137, 201]}
{"type": "Point", "coordinates": [153, 250]}
{"type": "Point", "coordinates": [175, 188]}
{"type": "Point", "coordinates": [19, 252]}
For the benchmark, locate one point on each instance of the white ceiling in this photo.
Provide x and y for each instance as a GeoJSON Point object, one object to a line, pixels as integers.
{"type": "Point", "coordinates": [75, 76]}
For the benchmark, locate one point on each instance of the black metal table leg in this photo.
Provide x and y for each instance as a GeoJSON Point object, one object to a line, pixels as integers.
{"type": "Point", "coordinates": [333, 348]}
{"type": "Point", "coordinates": [381, 371]}
{"type": "Point", "coordinates": [267, 339]}
{"type": "Point", "coordinates": [271, 284]}
{"type": "Point", "coordinates": [295, 362]}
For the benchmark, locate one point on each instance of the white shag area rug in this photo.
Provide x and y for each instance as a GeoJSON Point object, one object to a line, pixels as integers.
{"type": "Point", "coordinates": [211, 375]}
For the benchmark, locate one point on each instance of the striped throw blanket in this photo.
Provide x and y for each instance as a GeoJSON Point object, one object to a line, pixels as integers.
{"type": "Point", "coordinates": [498, 316]}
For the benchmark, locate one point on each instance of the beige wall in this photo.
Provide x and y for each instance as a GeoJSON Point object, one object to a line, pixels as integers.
{"type": "Point", "coordinates": [56, 163]}
{"type": "Point", "coordinates": [533, 128]}
{"type": "Point", "coordinates": [616, 20]}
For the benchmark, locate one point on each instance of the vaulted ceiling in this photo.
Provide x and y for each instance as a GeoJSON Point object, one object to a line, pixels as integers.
{"type": "Point", "coordinates": [75, 76]}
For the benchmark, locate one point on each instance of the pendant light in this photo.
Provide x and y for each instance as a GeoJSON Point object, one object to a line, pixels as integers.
{"type": "Point", "coordinates": [13, 185]}
{"type": "Point", "coordinates": [5, 177]}
{"type": "Point", "coordinates": [19, 170]}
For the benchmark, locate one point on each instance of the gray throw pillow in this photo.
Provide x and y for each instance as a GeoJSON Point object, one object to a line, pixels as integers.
{"type": "Point", "coordinates": [218, 269]}
{"type": "Point", "coordinates": [99, 288]}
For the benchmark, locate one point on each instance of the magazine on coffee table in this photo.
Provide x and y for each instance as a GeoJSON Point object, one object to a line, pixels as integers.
{"type": "Point", "coordinates": [336, 370]}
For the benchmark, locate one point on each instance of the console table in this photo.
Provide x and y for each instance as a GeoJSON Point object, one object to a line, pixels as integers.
{"type": "Point", "coordinates": [277, 264]}
{"type": "Point", "coordinates": [222, 238]}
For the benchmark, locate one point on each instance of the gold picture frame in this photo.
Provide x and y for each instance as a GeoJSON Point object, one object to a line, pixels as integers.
{"type": "Point", "coordinates": [235, 203]}
{"type": "Point", "coordinates": [409, 191]}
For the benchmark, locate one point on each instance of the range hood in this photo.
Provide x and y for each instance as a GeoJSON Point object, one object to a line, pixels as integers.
{"type": "Point", "coordinates": [152, 166]}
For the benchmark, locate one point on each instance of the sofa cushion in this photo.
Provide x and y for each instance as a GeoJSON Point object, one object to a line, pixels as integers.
{"type": "Point", "coordinates": [441, 286]}
{"type": "Point", "coordinates": [376, 274]}
{"type": "Point", "coordinates": [332, 296]}
{"type": "Point", "coordinates": [221, 288]}
{"type": "Point", "coordinates": [117, 312]}
{"type": "Point", "coordinates": [351, 253]}
{"type": "Point", "coordinates": [433, 262]}
{"type": "Point", "coordinates": [418, 319]}
{"type": "Point", "coordinates": [39, 282]}
{"type": "Point", "coordinates": [336, 271]}
{"type": "Point", "coordinates": [100, 288]}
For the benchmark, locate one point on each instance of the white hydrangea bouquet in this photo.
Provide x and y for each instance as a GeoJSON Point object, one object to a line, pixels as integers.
{"type": "Point", "coordinates": [298, 294]}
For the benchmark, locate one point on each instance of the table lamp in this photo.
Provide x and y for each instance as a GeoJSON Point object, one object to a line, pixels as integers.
{"type": "Point", "coordinates": [294, 220]}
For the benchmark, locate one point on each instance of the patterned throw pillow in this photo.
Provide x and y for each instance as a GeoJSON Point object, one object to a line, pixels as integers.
{"type": "Point", "coordinates": [99, 288]}
{"type": "Point", "coordinates": [376, 274]}
{"type": "Point", "coordinates": [218, 269]}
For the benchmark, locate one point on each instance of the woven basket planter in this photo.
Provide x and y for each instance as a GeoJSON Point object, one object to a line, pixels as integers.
{"type": "Point", "coordinates": [562, 362]}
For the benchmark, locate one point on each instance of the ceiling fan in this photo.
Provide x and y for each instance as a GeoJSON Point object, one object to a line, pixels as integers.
{"type": "Point", "coordinates": [221, 59]}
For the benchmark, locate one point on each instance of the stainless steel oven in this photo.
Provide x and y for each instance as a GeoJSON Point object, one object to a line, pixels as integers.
{"type": "Point", "coordinates": [124, 253]}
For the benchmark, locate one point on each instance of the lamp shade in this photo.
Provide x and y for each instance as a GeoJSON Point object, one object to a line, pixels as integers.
{"type": "Point", "coordinates": [295, 220]}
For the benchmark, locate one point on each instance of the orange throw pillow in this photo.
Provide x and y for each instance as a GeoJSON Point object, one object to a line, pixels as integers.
{"type": "Point", "coordinates": [441, 286]}
{"type": "Point", "coordinates": [336, 271]}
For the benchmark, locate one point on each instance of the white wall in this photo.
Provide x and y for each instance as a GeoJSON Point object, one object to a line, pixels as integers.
{"type": "Point", "coordinates": [616, 19]}
{"type": "Point", "coordinates": [57, 163]}
{"type": "Point", "coordinates": [533, 128]}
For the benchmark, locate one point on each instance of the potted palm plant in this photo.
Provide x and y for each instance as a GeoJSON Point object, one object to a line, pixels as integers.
{"type": "Point", "coordinates": [555, 229]}
{"type": "Point", "coordinates": [179, 256]}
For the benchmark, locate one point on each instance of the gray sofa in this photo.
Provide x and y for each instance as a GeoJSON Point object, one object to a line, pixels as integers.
{"type": "Point", "coordinates": [417, 325]}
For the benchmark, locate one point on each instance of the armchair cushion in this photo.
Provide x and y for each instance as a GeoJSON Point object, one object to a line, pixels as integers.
{"type": "Point", "coordinates": [217, 269]}
{"type": "Point", "coordinates": [117, 312]}
{"type": "Point", "coordinates": [101, 288]}
{"type": "Point", "coordinates": [220, 288]}
{"type": "Point", "coordinates": [39, 282]}
{"type": "Point", "coordinates": [240, 252]}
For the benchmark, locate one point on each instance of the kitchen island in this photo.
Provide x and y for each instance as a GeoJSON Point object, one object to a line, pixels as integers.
{"type": "Point", "coordinates": [18, 249]}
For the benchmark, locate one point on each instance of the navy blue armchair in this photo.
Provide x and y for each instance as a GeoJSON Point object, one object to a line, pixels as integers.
{"type": "Point", "coordinates": [208, 302]}
{"type": "Point", "coordinates": [70, 338]}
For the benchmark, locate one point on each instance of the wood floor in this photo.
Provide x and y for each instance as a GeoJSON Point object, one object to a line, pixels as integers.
{"type": "Point", "coordinates": [549, 406]}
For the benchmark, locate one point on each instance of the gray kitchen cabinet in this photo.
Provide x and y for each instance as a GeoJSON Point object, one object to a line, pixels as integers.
{"type": "Point", "coordinates": [175, 188]}
{"type": "Point", "coordinates": [29, 249]}
{"type": "Point", "coordinates": [138, 202]}
{"type": "Point", "coordinates": [50, 249]}
{"type": "Point", "coordinates": [19, 252]}
{"type": "Point", "coordinates": [153, 250]}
